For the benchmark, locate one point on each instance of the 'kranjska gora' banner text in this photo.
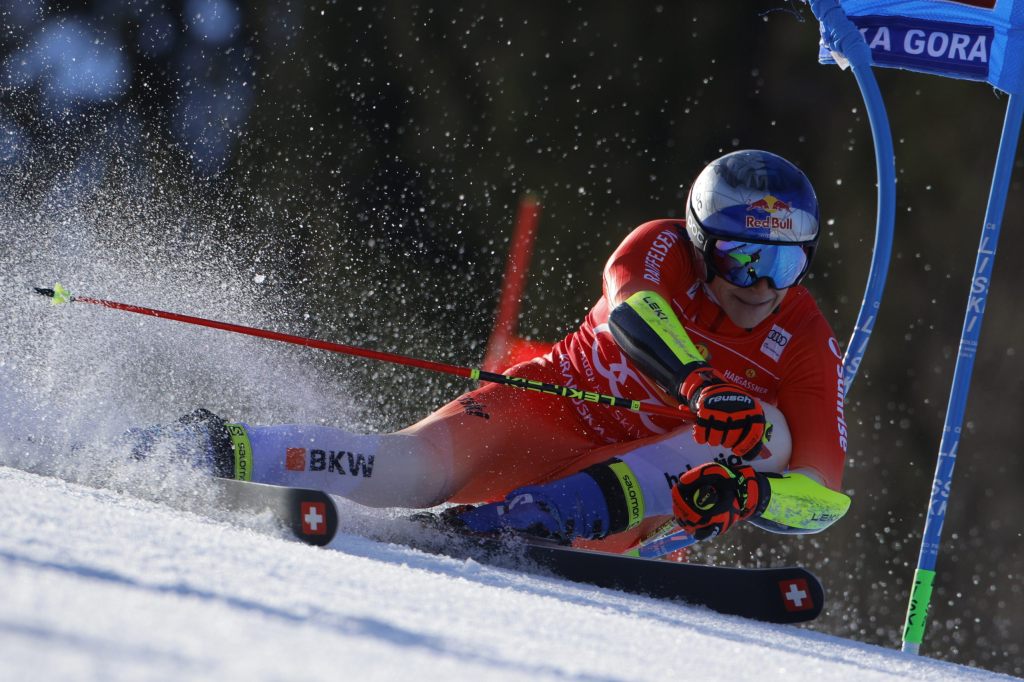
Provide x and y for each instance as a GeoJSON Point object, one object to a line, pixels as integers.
{"type": "Point", "coordinates": [973, 39]}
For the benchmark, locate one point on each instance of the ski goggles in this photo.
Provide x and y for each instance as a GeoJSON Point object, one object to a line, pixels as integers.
{"type": "Point", "coordinates": [744, 263]}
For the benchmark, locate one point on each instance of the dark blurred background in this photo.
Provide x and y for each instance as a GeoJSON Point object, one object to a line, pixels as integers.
{"type": "Point", "coordinates": [365, 161]}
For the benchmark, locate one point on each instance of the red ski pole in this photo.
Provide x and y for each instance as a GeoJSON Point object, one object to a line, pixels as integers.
{"type": "Point", "coordinates": [61, 295]}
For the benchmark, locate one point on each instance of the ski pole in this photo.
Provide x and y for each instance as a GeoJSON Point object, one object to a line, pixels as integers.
{"type": "Point", "coordinates": [659, 545]}
{"type": "Point", "coordinates": [60, 295]}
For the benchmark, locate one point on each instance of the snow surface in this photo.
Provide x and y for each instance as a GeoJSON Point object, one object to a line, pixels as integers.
{"type": "Point", "coordinates": [97, 584]}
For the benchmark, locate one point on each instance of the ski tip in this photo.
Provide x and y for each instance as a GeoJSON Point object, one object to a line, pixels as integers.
{"type": "Point", "coordinates": [57, 295]}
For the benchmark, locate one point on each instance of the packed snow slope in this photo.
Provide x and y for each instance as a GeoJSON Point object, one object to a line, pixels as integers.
{"type": "Point", "coordinates": [102, 585]}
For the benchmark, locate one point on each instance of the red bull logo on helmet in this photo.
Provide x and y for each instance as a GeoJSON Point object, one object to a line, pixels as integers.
{"type": "Point", "coordinates": [769, 212]}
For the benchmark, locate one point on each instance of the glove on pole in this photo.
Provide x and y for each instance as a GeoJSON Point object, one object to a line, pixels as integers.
{"type": "Point", "coordinates": [711, 498]}
{"type": "Point", "coordinates": [724, 414]}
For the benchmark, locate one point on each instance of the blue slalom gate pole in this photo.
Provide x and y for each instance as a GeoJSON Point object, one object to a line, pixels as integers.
{"type": "Point", "coordinates": [924, 576]}
{"type": "Point", "coordinates": [843, 37]}
{"type": "Point", "coordinates": [885, 163]}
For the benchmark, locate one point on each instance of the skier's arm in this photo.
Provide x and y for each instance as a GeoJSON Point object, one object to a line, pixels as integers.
{"type": "Point", "coordinates": [710, 498]}
{"type": "Point", "coordinates": [638, 280]}
{"type": "Point", "coordinates": [647, 331]}
{"type": "Point", "coordinates": [799, 504]}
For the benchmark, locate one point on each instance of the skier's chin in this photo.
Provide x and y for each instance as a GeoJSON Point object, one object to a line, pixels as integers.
{"type": "Point", "coordinates": [748, 309]}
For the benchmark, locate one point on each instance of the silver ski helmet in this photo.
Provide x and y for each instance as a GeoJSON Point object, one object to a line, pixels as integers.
{"type": "Point", "coordinates": [753, 215]}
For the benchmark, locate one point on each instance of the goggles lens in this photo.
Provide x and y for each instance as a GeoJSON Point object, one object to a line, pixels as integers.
{"type": "Point", "coordinates": [743, 263]}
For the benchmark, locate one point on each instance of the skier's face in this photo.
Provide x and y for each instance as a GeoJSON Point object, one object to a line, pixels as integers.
{"type": "Point", "coordinates": [747, 307]}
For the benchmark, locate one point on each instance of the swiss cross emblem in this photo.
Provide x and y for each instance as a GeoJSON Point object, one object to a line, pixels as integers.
{"type": "Point", "coordinates": [314, 518]}
{"type": "Point", "coordinates": [795, 595]}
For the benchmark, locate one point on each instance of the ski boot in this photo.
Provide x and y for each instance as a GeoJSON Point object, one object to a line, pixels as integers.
{"type": "Point", "coordinates": [199, 439]}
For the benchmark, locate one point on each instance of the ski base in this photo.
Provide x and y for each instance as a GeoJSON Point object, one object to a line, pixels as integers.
{"type": "Point", "coordinates": [790, 594]}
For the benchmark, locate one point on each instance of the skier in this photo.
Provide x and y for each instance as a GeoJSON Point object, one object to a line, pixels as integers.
{"type": "Point", "coordinates": [706, 314]}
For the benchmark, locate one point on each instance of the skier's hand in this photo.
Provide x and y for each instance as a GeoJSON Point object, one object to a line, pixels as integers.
{"type": "Point", "coordinates": [710, 498]}
{"type": "Point", "coordinates": [724, 414]}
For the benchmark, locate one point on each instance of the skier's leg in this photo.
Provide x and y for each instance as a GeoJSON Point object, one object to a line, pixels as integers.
{"type": "Point", "coordinates": [376, 470]}
{"type": "Point", "coordinates": [476, 448]}
{"type": "Point", "coordinates": [503, 438]}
